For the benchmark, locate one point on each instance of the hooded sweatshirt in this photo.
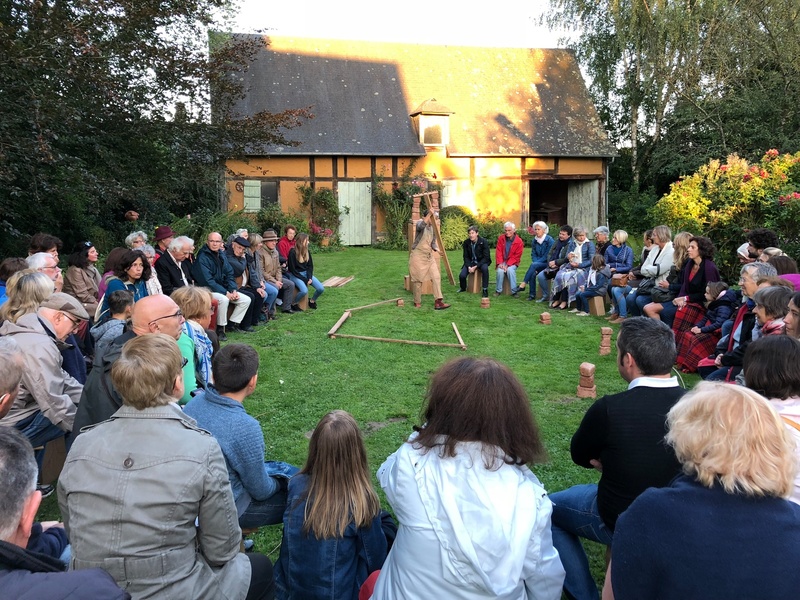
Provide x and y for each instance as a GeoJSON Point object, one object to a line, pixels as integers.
{"type": "Point", "coordinates": [466, 531]}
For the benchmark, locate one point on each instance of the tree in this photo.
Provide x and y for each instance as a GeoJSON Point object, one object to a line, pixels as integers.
{"type": "Point", "coordinates": [105, 107]}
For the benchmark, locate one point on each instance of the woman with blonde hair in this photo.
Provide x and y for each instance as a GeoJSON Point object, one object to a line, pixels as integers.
{"type": "Point", "coordinates": [196, 307]}
{"type": "Point", "coordinates": [724, 528]}
{"type": "Point", "coordinates": [474, 519]}
{"type": "Point", "coordinates": [333, 536]}
{"type": "Point", "coordinates": [145, 495]}
{"type": "Point", "coordinates": [26, 290]}
{"type": "Point", "coordinates": [301, 271]}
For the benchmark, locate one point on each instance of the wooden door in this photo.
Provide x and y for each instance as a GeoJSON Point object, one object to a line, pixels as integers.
{"type": "Point", "coordinates": [355, 203]}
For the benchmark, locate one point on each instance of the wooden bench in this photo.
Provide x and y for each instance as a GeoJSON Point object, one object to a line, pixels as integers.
{"type": "Point", "coordinates": [597, 306]}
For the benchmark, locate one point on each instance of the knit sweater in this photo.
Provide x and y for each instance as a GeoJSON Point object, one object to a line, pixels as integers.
{"type": "Point", "coordinates": [686, 541]}
{"type": "Point", "coordinates": [242, 442]}
{"type": "Point", "coordinates": [626, 433]}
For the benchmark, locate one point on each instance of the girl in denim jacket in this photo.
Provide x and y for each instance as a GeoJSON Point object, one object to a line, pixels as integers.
{"type": "Point", "coordinates": [333, 527]}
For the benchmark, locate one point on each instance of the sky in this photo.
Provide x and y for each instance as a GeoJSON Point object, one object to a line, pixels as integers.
{"type": "Point", "coordinates": [511, 23]}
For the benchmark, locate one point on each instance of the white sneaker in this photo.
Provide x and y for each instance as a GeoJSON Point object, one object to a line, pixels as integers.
{"type": "Point", "coordinates": [574, 310]}
{"type": "Point", "coordinates": [582, 314]}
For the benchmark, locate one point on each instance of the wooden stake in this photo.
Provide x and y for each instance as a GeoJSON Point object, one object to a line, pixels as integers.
{"type": "Point", "coordinates": [458, 335]}
{"type": "Point", "coordinates": [339, 323]}
{"type": "Point", "coordinates": [394, 300]}
{"type": "Point", "coordinates": [377, 339]}
{"type": "Point", "coordinates": [432, 201]}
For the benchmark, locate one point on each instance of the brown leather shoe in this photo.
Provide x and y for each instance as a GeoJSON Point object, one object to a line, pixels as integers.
{"type": "Point", "coordinates": [417, 305]}
{"type": "Point", "coordinates": [440, 305]}
{"type": "Point", "coordinates": [617, 321]}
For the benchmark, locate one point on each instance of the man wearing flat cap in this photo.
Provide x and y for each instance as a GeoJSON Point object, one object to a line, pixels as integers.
{"type": "Point", "coordinates": [248, 279]}
{"type": "Point", "coordinates": [46, 403]}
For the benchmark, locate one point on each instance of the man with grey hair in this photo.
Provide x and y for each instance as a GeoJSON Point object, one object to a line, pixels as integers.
{"type": "Point", "coordinates": [47, 264]}
{"type": "Point", "coordinates": [45, 407]}
{"type": "Point", "coordinates": [508, 254]}
{"type": "Point", "coordinates": [26, 574]}
{"type": "Point", "coordinates": [622, 436]}
{"type": "Point", "coordinates": [173, 269]}
{"type": "Point", "coordinates": [729, 354]}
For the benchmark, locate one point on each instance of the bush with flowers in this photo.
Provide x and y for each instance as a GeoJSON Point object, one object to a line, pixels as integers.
{"type": "Point", "coordinates": [725, 200]}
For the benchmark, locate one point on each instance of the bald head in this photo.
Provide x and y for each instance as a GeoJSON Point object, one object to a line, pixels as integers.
{"type": "Point", "coordinates": [157, 314]}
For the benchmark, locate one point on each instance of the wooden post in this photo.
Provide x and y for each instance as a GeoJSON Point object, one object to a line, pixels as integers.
{"type": "Point", "coordinates": [458, 335]}
{"type": "Point", "coordinates": [432, 201]}
{"type": "Point", "coordinates": [394, 300]}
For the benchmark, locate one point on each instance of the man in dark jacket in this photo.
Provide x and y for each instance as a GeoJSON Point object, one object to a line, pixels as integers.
{"type": "Point", "coordinates": [211, 270]}
{"type": "Point", "coordinates": [26, 574]}
{"type": "Point", "coordinates": [622, 436]}
{"type": "Point", "coordinates": [476, 257]}
{"type": "Point", "coordinates": [248, 279]}
{"type": "Point", "coordinates": [174, 271]}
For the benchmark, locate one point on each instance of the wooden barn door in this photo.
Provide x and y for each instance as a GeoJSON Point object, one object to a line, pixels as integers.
{"type": "Point", "coordinates": [355, 202]}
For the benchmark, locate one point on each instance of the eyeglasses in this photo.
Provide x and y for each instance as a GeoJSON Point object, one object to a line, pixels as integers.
{"type": "Point", "coordinates": [184, 362]}
{"type": "Point", "coordinates": [75, 323]}
{"type": "Point", "coordinates": [178, 314]}
{"type": "Point", "coordinates": [53, 268]}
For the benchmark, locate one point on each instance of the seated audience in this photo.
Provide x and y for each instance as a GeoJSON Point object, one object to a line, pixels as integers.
{"type": "Point", "coordinates": [760, 238]}
{"type": "Point", "coordinates": [768, 253]}
{"type": "Point", "coordinates": [100, 400]}
{"type": "Point", "coordinates": [723, 529]}
{"type": "Point", "coordinates": [44, 242]}
{"type": "Point", "coordinates": [145, 495]}
{"type": "Point", "coordinates": [620, 290]}
{"type": "Point", "coordinates": [541, 244]}
{"type": "Point", "coordinates": [287, 242]}
{"type": "Point", "coordinates": [477, 258]}
{"type": "Point", "coordinates": [136, 240]}
{"type": "Point", "coordinates": [152, 283]}
{"type": "Point", "coordinates": [46, 263]}
{"type": "Point", "coordinates": [663, 295]}
{"type": "Point", "coordinates": [474, 519]}
{"type": "Point", "coordinates": [248, 285]}
{"type": "Point", "coordinates": [333, 535]}
{"type": "Point", "coordinates": [621, 436]}
{"type": "Point", "coordinates": [163, 238]}
{"type": "Point", "coordinates": [82, 278]}
{"type": "Point", "coordinates": [26, 290]}
{"type": "Point", "coordinates": [195, 303]}
{"type": "Point", "coordinates": [771, 305]}
{"type": "Point", "coordinates": [556, 258]}
{"type": "Point", "coordinates": [700, 341]}
{"type": "Point", "coordinates": [726, 361]}
{"type": "Point", "coordinates": [131, 274]}
{"type": "Point", "coordinates": [175, 271]}
{"type": "Point", "coordinates": [601, 241]}
{"type": "Point", "coordinates": [120, 305]}
{"type": "Point", "coordinates": [301, 270]}
{"type": "Point", "coordinates": [257, 277]}
{"type": "Point", "coordinates": [7, 268]}
{"type": "Point", "coordinates": [259, 488]}
{"type": "Point", "coordinates": [618, 255]}
{"type": "Point", "coordinates": [596, 285]}
{"type": "Point", "coordinates": [771, 369]}
{"type": "Point", "coordinates": [45, 407]}
{"type": "Point", "coordinates": [792, 318]}
{"type": "Point", "coordinates": [507, 256]}
{"type": "Point", "coordinates": [275, 274]}
{"type": "Point", "coordinates": [26, 573]}
{"type": "Point", "coordinates": [653, 271]}
{"type": "Point", "coordinates": [112, 264]}
{"type": "Point", "coordinates": [572, 274]}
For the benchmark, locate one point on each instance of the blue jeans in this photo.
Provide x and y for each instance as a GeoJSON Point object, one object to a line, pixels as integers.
{"type": "Point", "coordinates": [272, 295]}
{"type": "Point", "coordinates": [575, 516]}
{"type": "Point", "coordinates": [531, 276]}
{"type": "Point", "coordinates": [582, 300]}
{"type": "Point", "coordinates": [264, 512]}
{"type": "Point", "coordinates": [619, 299]}
{"type": "Point", "coordinates": [511, 272]}
{"type": "Point", "coordinates": [39, 430]}
{"type": "Point", "coordinates": [302, 287]}
{"type": "Point", "coordinates": [636, 303]}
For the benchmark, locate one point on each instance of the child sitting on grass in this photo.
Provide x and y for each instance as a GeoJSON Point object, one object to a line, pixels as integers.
{"type": "Point", "coordinates": [334, 532]}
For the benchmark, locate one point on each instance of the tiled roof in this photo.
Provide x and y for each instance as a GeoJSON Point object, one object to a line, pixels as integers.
{"type": "Point", "coordinates": [505, 101]}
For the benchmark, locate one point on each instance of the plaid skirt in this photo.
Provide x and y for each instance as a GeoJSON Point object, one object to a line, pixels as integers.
{"type": "Point", "coordinates": [692, 348]}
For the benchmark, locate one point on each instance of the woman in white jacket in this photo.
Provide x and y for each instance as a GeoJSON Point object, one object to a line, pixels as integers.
{"type": "Point", "coordinates": [474, 520]}
{"type": "Point", "coordinates": [656, 267]}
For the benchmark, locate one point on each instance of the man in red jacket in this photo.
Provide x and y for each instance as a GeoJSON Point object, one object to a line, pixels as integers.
{"type": "Point", "coordinates": [507, 257]}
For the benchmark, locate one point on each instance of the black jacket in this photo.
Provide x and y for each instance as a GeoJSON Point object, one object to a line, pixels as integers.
{"type": "Point", "coordinates": [28, 575]}
{"type": "Point", "coordinates": [169, 273]}
{"type": "Point", "coordinates": [482, 252]}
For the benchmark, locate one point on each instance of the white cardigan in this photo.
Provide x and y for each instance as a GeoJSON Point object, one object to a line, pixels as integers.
{"type": "Point", "coordinates": [658, 263]}
{"type": "Point", "coordinates": [465, 531]}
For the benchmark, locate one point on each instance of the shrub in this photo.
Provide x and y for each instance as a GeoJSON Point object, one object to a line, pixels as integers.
{"type": "Point", "coordinates": [454, 230]}
{"type": "Point", "coordinates": [724, 201]}
{"type": "Point", "coordinates": [204, 221]}
{"type": "Point", "coordinates": [489, 226]}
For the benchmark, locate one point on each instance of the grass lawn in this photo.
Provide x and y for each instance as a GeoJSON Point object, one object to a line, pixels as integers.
{"type": "Point", "coordinates": [304, 374]}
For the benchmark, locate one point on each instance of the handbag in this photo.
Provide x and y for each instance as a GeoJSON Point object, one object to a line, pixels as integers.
{"type": "Point", "coordinates": [661, 295]}
{"type": "Point", "coordinates": [619, 280]}
{"type": "Point", "coordinates": [646, 286]}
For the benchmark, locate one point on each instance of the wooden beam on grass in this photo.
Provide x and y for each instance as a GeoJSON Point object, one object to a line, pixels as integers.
{"type": "Point", "coordinates": [458, 335]}
{"type": "Point", "coordinates": [414, 342]}
{"type": "Point", "coordinates": [339, 323]}
{"type": "Point", "coordinates": [375, 304]}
